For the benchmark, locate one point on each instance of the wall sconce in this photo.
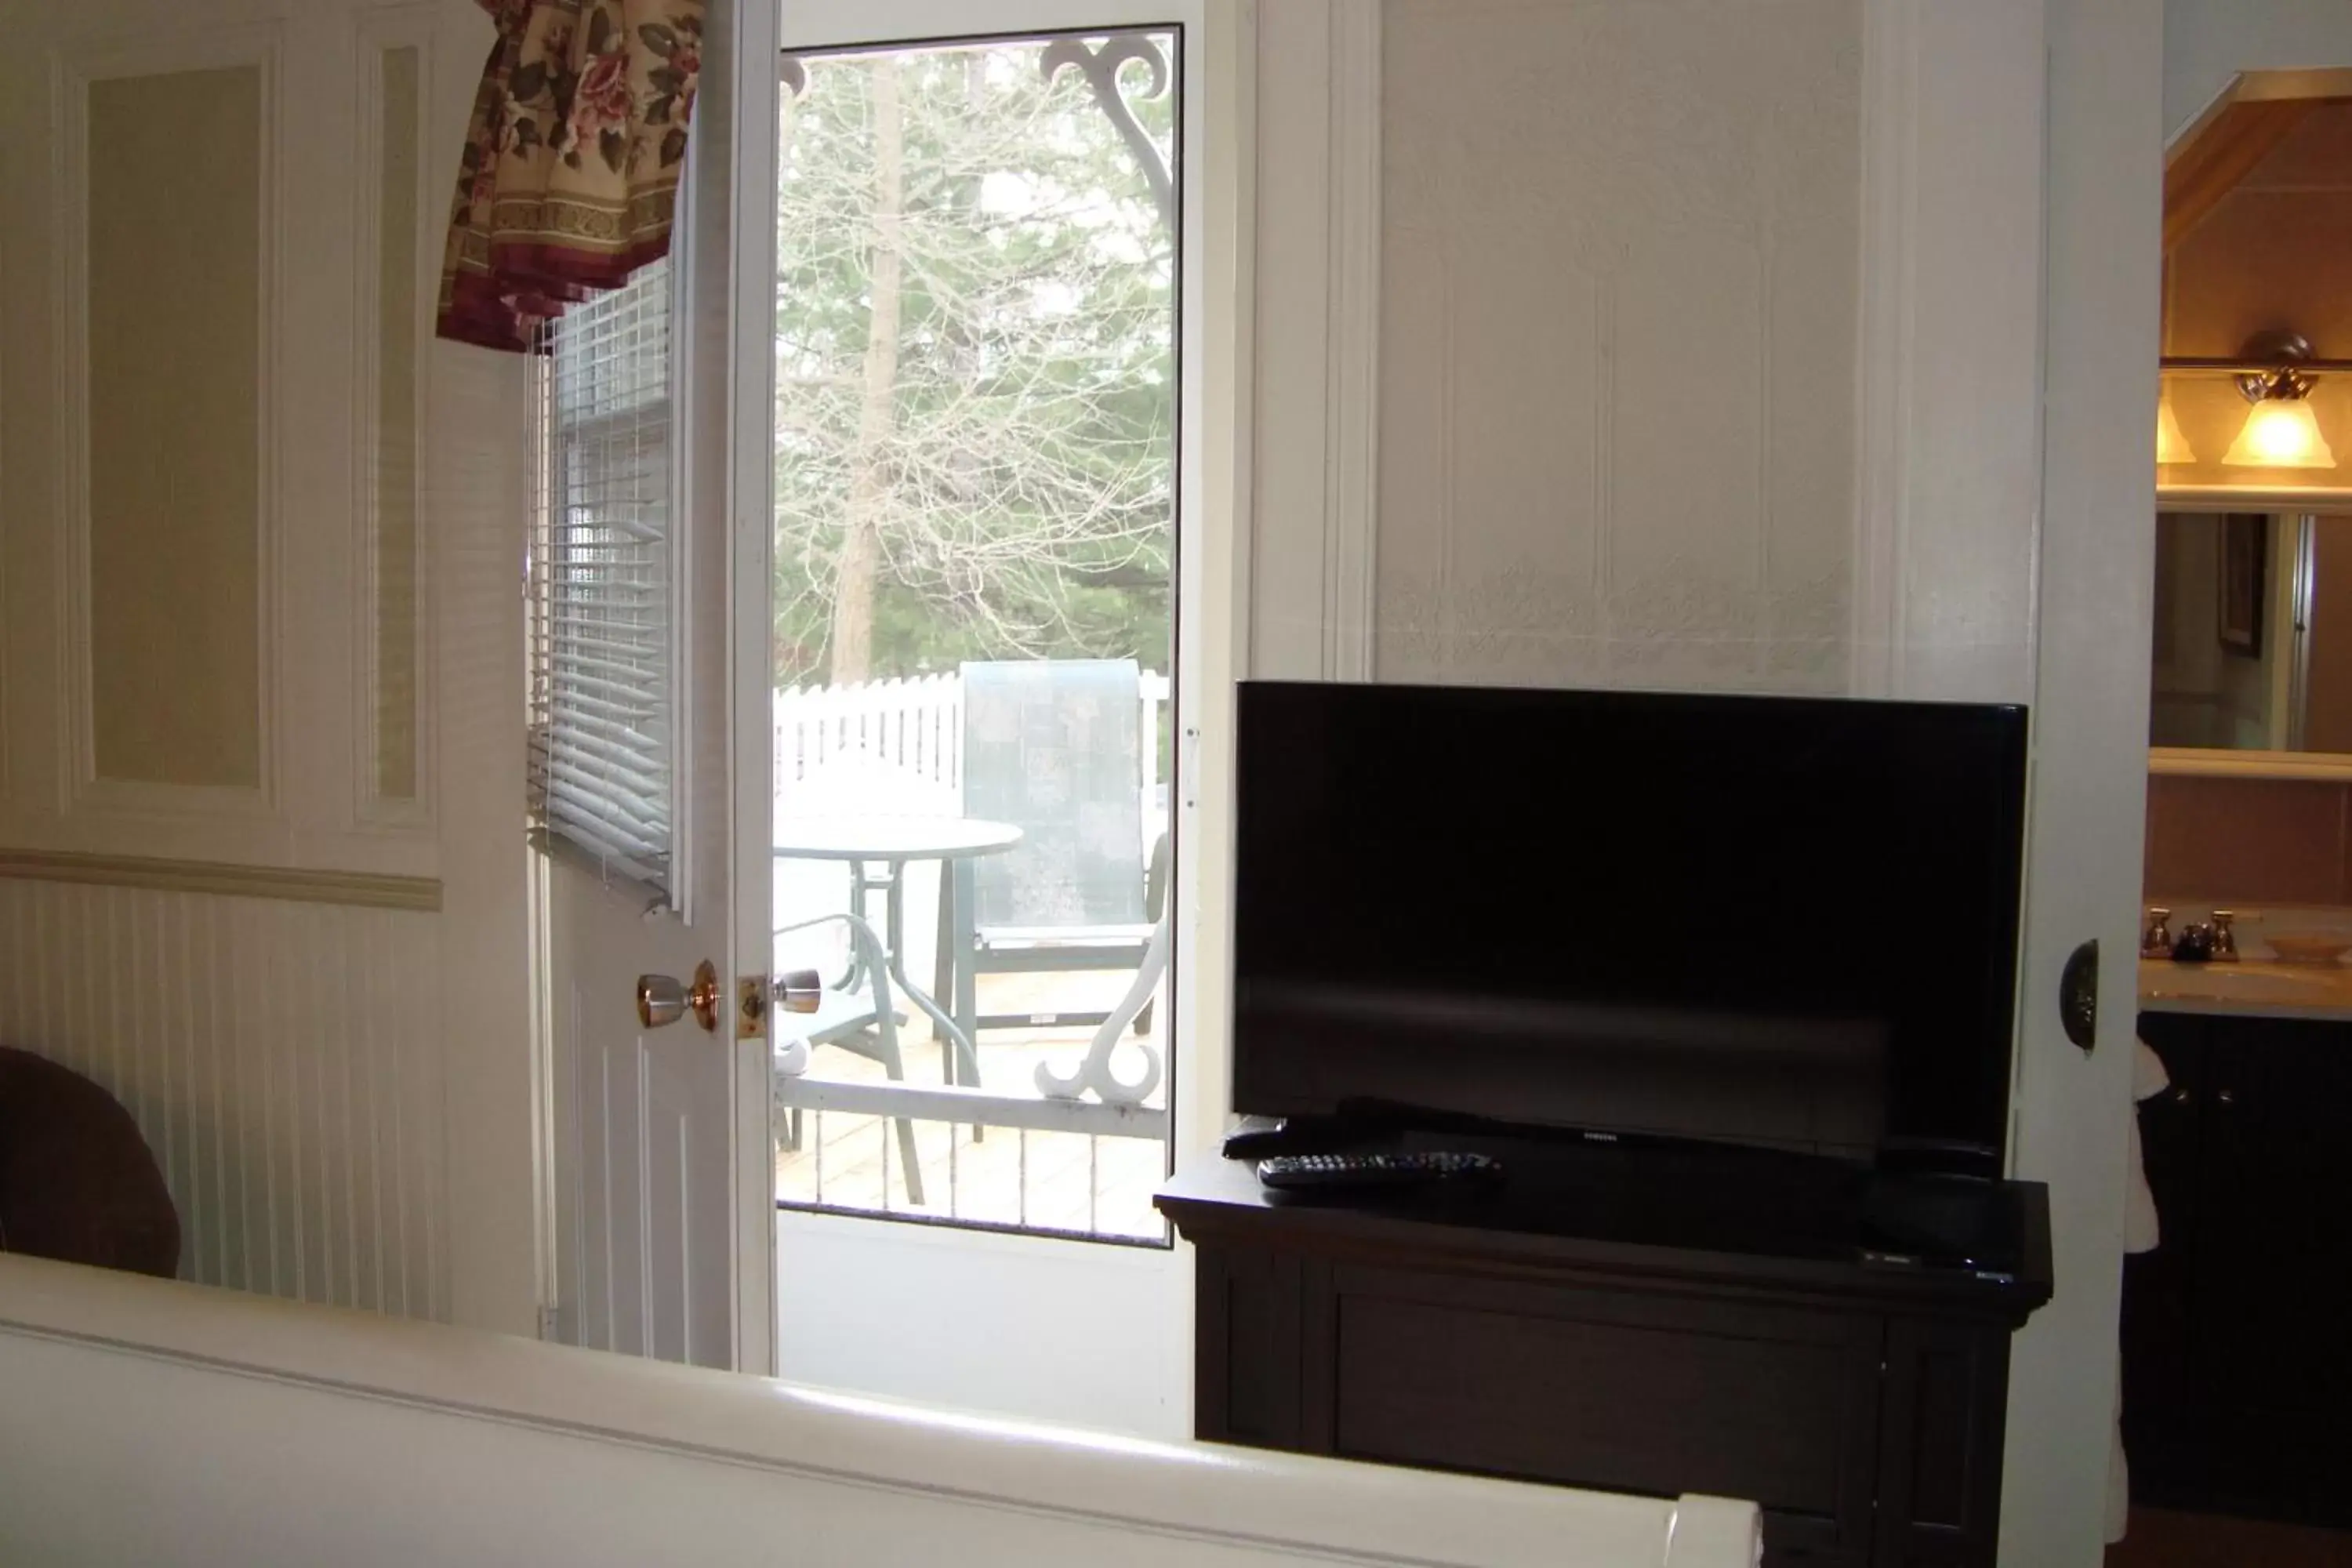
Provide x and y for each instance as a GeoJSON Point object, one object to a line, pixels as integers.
{"type": "Point", "coordinates": [2281, 431]}
{"type": "Point", "coordinates": [2171, 445]}
{"type": "Point", "coordinates": [2276, 371]}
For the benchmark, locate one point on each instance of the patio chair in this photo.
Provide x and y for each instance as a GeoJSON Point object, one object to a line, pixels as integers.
{"type": "Point", "coordinates": [1054, 746]}
{"type": "Point", "coordinates": [855, 1015]}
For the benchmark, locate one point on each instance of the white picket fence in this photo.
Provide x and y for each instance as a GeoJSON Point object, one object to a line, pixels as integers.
{"type": "Point", "coordinates": [898, 745]}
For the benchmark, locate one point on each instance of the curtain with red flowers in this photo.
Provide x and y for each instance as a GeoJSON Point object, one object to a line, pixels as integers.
{"type": "Point", "coordinates": [572, 159]}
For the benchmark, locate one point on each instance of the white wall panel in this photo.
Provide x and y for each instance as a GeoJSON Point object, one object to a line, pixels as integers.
{"type": "Point", "coordinates": [1621, 257]}
{"type": "Point", "coordinates": [283, 1061]}
{"type": "Point", "coordinates": [316, 1078]}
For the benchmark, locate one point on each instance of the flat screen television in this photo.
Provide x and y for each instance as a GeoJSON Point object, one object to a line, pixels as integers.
{"type": "Point", "coordinates": [1788, 922]}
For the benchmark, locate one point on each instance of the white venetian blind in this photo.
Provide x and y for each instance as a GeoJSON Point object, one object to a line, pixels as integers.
{"type": "Point", "coordinates": [604, 653]}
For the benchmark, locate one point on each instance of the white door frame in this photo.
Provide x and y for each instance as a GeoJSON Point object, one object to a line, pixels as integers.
{"type": "Point", "coordinates": [1207, 520]}
{"type": "Point", "coordinates": [1211, 622]}
{"type": "Point", "coordinates": [2102, 258]}
{"type": "Point", "coordinates": [741, 339]}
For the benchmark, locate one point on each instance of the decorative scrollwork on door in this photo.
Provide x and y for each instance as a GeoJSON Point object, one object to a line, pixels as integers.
{"type": "Point", "coordinates": [1100, 64]}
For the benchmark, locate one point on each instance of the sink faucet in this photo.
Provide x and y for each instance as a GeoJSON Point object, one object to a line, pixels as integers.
{"type": "Point", "coordinates": [2225, 939]}
{"type": "Point", "coordinates": [2155, 941]}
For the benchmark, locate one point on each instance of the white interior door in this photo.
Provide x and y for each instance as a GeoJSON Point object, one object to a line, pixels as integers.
{"type": "Point", "coordinates": [2090, 771]}
{"type": "Point", "coordinates": [661, 1235]}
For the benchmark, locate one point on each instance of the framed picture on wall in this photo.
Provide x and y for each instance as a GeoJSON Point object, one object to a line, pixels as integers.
{"type": "Point", "coordinates": [2245, 540]}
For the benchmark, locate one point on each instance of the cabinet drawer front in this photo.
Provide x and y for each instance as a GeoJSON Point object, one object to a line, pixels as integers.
{"type": "Point", "coordinates": [1601, 1389]}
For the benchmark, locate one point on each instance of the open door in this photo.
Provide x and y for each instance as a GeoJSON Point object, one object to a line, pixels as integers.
{"type": "Point", "coordinates": [2090, 769]}
{"type": "Point", "coordinates": [651, 534]}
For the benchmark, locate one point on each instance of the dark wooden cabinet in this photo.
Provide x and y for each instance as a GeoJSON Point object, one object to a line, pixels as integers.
{"type": "Point", "coordinates": [1862, 1406]}
{"type": "Point", "coordinates": [2235, 1372]}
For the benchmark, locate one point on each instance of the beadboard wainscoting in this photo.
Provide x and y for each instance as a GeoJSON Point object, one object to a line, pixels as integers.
{"type": "Point", "coordinates": [261, 728]}
{"type": "Point", "coordinates": [283, 1060]}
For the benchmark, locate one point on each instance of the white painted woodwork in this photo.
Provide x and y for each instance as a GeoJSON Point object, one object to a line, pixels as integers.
{"type": "Point", "coordinates": [2105, 205]}
{"type": "Point", "coordinates": [104, 752]}
{"type": "Point", "coordinates": [746, 459]}
{"type": "Point", "coordinates": [887, 1310]}
{"type": "Point", "coordinates": [1217, 585]}
{"type": "Point", "coordinates": [1026, 1106]}
{"type": "Point", "coordinates": [152, 1422]}
{"type": "Point", "coordinates": [493, 1125]}
{"type": "Point", "coordinates": [284, 1062]}
{"type": "Point", "coordinates": [283, 998]}
{"type": "Point", "coordinates": [662, 1138]}
{"type": "Point", "coordinates": [1318, 303]}
{"type": "Point", "coordinates": [1950, 353]}
{"type": "Point", "coordinates": [1617, 340]}
{"type": "Point", "coordinates": [645, 1122]}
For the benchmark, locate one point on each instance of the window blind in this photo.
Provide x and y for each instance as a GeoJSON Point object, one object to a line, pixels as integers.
{"type": "Point", "coordinates": [604, 647]}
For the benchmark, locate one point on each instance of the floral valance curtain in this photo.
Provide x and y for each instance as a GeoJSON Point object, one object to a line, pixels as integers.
{"type": "Point", "coordinates": [572, 159]}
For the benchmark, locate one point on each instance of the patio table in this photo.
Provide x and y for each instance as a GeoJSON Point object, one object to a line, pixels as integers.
{"type": "Point", "coordinates": [894, 843]}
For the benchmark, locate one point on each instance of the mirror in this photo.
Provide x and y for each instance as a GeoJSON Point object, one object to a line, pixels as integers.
{"type": "Point", "coordinates": [2253, 633]}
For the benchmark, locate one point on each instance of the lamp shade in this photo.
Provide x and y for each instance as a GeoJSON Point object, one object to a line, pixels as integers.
{"type": "Point", "coordinates": [2171, 445]}
{"type": "Point", "coordinates": [2280, 433]}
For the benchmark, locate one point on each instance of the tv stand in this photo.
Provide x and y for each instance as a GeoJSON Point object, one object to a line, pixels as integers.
{"type": "Point", "coordinates": [1702, 1321]}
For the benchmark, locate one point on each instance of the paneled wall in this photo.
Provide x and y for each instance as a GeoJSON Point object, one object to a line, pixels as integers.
{"type": "Point", "coordinates": [1621, 258]}
{"type": "Point", "coordinates": [283, 1060]}
{"type": "Point", "coordinates": [259, 633]}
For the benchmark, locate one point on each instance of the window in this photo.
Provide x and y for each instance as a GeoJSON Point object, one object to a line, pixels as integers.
{"type": "Point", "coordinates": [603, 650]}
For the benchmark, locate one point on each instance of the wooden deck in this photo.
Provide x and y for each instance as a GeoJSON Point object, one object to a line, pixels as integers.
{"type": "Point", "coordinates": [1054, 1180]}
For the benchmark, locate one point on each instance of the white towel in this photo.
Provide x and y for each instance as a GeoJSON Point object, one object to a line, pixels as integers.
{"type": "Point", "coordinates": [2140, 1235]}
{"type": "Point", "coordinates": [2140, 1226]}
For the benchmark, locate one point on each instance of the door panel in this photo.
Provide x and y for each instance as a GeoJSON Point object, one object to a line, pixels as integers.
{"type": "Point", "coordinates": [651, 1114]}
{"type": "Point", "coordinates": [662, 1177]}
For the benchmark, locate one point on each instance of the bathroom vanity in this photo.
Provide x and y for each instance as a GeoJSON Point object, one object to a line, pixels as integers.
{"type": "Point", "coordinates": [2236, 1376]}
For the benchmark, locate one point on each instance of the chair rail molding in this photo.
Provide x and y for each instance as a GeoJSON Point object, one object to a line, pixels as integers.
{"type": "Point", "coordinates": [356, 889]}
{"type": "Point", "coordinates": [1319, 319]}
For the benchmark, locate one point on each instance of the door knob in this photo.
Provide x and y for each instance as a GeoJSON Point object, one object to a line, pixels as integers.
{"type": "Point", "coordinates": [662, 1000]}
{"type": "Point", "coordinates": [800, 990]}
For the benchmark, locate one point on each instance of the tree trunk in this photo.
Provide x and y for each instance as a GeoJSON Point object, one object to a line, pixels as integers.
{"type": "Point", "coordinates": [852, 653]}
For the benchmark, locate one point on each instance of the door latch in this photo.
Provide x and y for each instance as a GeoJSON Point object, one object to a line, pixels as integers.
{"type": "Point", "coordinates": [2078, 996]}
{"type": "Point", "coordinates": [794, 991]}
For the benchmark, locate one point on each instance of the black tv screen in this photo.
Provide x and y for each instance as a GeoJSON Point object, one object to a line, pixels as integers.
{"type": "Point", "coordinates": [1780, 922]}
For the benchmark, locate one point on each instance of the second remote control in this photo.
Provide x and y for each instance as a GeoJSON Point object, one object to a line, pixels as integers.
{"type": "Point", "coordinates": [1372, 1173]}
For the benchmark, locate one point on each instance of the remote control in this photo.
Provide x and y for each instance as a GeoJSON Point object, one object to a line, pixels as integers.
{"type": "Point", "coordinates": [1372, 1173]}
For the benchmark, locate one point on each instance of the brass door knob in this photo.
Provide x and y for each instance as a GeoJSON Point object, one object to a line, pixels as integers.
{"type": "Point", "coordinates": [662, 1000]}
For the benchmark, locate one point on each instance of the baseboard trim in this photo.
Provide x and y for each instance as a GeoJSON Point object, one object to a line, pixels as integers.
{"type": "Point", "coordinates": [359, 890]}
